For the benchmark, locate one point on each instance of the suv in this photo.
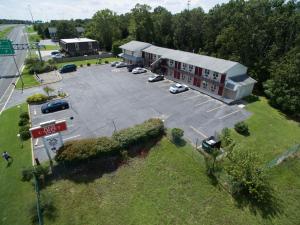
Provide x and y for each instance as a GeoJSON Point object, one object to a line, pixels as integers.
{"type": "Point", "coordinates": [68, 68]}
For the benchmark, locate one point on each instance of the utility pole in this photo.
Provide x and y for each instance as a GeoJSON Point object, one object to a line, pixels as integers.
{"type": "Point", "coordinates": [19, 73]}
{"type": "Point", "coordinates": [30, 13]}
{"type": "Point", "coordinates": [188, 5]}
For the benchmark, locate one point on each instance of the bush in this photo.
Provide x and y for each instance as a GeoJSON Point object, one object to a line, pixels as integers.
{"type": "Point", "coordinates": [140, 133]}
{"type": "Point", "coordinates": [23, 121]}
{"type": "Point", "coordinates": [106, 61]}
{"type": "Point", "coordinates": [25, 135]}
{"type": "Point", "coordinates": [81, 65]}
{"type": "Point", "coordinates": [241, 128]}
{"type": "Point", "coordinates": [177, 134]}
{"type": "Point", "coordinates": [37, 98]}
{"type": "Point", "coordinates": [88, 64]}
{"type": "Point", "coordinates": [24, 128]}
{"type": "Point", "coordinates": [226, 139]}
{"type": "Point", "coordinates": [24, 115]}
{"type": "Point", "coordinates": [78, 150]}
{"type": "Point", "coordinates": [38, 171]}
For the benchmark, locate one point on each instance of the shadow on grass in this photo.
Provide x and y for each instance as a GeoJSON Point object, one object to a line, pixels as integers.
{"type": "Point", "coordinates": [267, 209]}
{"type": "Point", "coordinates": [251, 99]}
{"type": "Point", "coordinates": [89, 170]}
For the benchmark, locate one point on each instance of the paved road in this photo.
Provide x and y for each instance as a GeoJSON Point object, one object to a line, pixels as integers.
{"type": "Point", "coordinates": [7, 65]}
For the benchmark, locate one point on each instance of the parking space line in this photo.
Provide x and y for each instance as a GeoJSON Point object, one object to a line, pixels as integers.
{"type": "Point", "coordinates": [213, 109]}
{"type": "Point", "coordinates": [76, 136]}
{"type": "Point", "coordinates": [202, 103]}
{"type": "Point", "coordinates": [198, 131]}
{"type": "Point", "coordinates": [34, 111]}
{"type": "Point", "coordinates": [36, 142]}
{"type": "Point", "coordinates": [191, 97]}
{"type": "Point", "coordinates": [222, 117]}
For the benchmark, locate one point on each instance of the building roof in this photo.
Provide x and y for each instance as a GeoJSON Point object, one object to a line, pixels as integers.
{"type": "Point", "coordinates": [80, 29]}
{"type": "Point", "coordinates": [52, 29]}
{"type": "Point", "coordinates": [135, 46]}
{"type": "Point", "coordinates": [77, 40]}
{"type": "Point", "coordinates": [207, 62]}
{"type": "Point", "coordinates": [243, 79]}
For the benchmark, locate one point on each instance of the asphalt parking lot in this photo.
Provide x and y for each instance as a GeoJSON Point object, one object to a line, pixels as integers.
{"type": "Point", "coordinates": [104, 98]}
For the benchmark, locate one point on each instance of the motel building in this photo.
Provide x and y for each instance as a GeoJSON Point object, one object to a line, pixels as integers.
{"type": "Point", "coordinates": [221, 79]}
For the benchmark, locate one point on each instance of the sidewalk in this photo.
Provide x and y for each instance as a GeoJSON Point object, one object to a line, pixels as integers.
{"type": "Point", "coordinates": [50, 77]}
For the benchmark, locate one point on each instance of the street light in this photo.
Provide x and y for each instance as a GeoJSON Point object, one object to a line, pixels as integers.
{"type": "Point", "coordinates": [21, 141]}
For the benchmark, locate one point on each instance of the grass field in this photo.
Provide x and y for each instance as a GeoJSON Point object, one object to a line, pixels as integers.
{"type": "Point", "coordinates": [50, 47]}
{"type": "Point", "coordinates": [5, 32]}
{"type": "Point", "coordinates": [91, 61]}
{"type": "Point", "coordinates": [15, 195]}
{"type": "Point", "coordinates": [169, 186]}
{"type": "Point", "coordinates": [28, 79]}
{"type": "Point", "coordinates": [29, 29]}
{"type": "Point", "coordinates": [33, 37]}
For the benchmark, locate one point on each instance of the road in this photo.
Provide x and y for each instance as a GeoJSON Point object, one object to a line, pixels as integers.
{"type": "Point", "coordinates": [7, 65]}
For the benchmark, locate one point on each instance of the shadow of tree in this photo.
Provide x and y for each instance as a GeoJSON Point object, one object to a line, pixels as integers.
{"type": "Point", "coordinates": [269, 208]}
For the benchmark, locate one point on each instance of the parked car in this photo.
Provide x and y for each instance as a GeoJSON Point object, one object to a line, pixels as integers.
{"type": "Point", "coordinates": [139, 70]}
{"type": "Point", "coordinates": [57, 56]}
{"type": "Point", "coordinates": [177, 88]}
{"type": "Point", "coordinates": [54, 106]}
{"type": "Point", "coordinates": [114, 63]}
{"type": "Point", "coordinates": [121, 64]}
{"type": "Point", "coordinates": [55, 53]}
{"type": "Point", "coordinates": [155, 78]}
{"type": "Point", "coordinates": [68, 68]}
{"type": "Point", "coordinates": [133, 66]}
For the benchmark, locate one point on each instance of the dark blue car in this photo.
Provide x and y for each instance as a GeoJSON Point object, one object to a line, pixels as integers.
{"type": "Point", "coordinates": [54, 106]}
{"type": "Point", "coordinates": [68, 68]}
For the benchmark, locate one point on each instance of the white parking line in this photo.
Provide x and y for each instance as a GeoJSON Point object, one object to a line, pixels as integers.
{"type": "Point", "coordinates": [215, 108]}
{"type": "Point", "coordinates": [202, 103]}
{"type": "Point", "coordinates": [222, 117]}
{"type": "Point", "coordinates": [36, 142]}
{"type": "Point", "coordinates": [34, 111]}
{"type": "Point", "coordinates": [195, 96]}
{"type": "Point", "coordinates": [198, 131]}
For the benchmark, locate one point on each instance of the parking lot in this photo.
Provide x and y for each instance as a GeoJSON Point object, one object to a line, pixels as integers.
{"type": "Point", "coordinates": [103, 99]}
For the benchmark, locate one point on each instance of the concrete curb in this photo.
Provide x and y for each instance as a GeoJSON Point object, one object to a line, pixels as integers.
{"type": "Point", "coordinates": [31, 140]}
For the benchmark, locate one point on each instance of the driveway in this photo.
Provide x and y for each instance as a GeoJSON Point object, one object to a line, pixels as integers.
{"type": "Point", "coordinates": [103, 98]}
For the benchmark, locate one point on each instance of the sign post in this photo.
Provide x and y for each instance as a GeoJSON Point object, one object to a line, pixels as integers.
{"type": "Point", "coordinates": [50, 132]}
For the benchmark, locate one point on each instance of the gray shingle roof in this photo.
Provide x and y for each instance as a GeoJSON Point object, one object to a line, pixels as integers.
{"type": "Point", "coordinates": [77, 40]}
{"type": "Point", "coordinates": [207, 62]}
{"type": "Point", "coordinates": [135, 46]}
{"type": "Point", "coordinates": [243, 79]}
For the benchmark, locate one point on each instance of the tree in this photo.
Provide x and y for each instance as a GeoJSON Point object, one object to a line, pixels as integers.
{"type": "Point", "coordinates": [66, 29]}
{"type": "Point", "coordinates": [48, 90]}
{"type": "Point", "coordinates": [248, 178]}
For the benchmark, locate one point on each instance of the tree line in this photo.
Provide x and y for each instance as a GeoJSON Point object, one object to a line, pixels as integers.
{"type": "Point", "coordinates": [261, 34]}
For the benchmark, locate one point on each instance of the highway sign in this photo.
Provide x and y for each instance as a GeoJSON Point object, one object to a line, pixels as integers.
{"type": "Point", "coordinates": [48, 128]}
{"type": "Point", "coordinates": [6, 47]}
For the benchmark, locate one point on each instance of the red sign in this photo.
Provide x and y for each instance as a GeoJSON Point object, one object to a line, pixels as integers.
{"type": "Point", "coordinates": [56, 127]}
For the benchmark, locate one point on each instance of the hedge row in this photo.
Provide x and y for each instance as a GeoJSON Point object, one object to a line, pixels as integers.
{"type": "Point", "coordinates": [37, 98]}
{"type": "Point", "coordinates": [24, 126]}
{"type": "Point", "coordinates": [79, 150]}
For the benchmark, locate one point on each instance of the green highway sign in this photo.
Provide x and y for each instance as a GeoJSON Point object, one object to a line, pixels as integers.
{"type": "Point", "coordinates": [6, 48]}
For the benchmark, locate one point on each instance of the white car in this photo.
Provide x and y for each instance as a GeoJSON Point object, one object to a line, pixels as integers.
{"type": "Point", "coordinates": [121, 64]}
{"type": "Point", "coordinates": [58, 56]}
{"type": "Point", "coordinates": [177, 88]}
{"type": "Point", "coordinates": [114, 63]}
{"type": "Point", "coordinates": [139, 70]}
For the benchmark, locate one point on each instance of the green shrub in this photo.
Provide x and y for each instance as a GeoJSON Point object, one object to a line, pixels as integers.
{"type": "Point", "coordinates": [25, 135]}
{"type": "Point", "coordinates": [88, 64]}
{"type": "Point", "coordinates": [241, 128]}
{"type": "Point", "coordinates": [38, 171]}
{"type": "Point", "coordinates": [177, 134]}
{"type": "Point", "coordinates": [26, 174]}
{"type": "Point", "coordinates": [140, 133]}
{"type": "Point", "coordinates": [226, 139]}
{"type": "Point", "coordinates": [24, 115]}
{"type": "Point", "coordinates": [81, 65]}
{"type": "Point", "coordinates": [24, 128]}
{"type": "Point", "coordinates": [23, 121]}
{"type": "Point", "coordinates": [106, 61]}
{"type": "Point", "coordinates": [37, 98]}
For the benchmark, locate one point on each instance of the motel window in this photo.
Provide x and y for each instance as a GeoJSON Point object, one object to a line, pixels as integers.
{"type": "Point", "coordinates": [191, 68]}
{"type": "Point", "coordinates": [215, 75]}
{"type": "Point", "coordinates": [183, 66]}
{"type": "Point", "coordinates": [213, 87]}
{"type": "Point", "coordinates": [171, 62]}
{"type": "Point", "coordinates": [90, 45]}
{"type": "Point", "coordinates": [204, 84]}
{"type": "Point", "coordinates": [189, 79]}
{"type": "Point", "coordinates": [77, 46]}
{"type": "Point", "coordinates": [206, 72]}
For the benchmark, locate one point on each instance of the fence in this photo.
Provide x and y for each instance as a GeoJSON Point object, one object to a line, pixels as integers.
{"type": "Point", "coordinates": [279, 159]}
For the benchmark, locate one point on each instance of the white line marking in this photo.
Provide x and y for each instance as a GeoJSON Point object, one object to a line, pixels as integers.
{"type": "Point", "coordinates": [202, 103]}
{"type": "Point", "coordinates": [34, 111]}
{"type": "Point", "coordinates": [215, 108]}
{"type": "Point", "coordinates": [76, 136]}
{"type": "Point", "coordinates": [197, 131]}
{"type": "Point", "coordinates": [222, 117]}
{"type": "Point", "coordinates": [7, 101]}
{"type": "Point", "coordinates": [195, 96]}
{"type": "Point", "coordinates": [36, 142]}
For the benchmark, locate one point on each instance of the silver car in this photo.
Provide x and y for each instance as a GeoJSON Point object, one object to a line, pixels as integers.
{"type": "Point", "coordinates": [139, 70]}
{"type": "Point", "coordinates": [114, 63]}
{"type": "Point", "coordinates": [177, 88]}
{"type": "Point", "coordinates": [121, 64]}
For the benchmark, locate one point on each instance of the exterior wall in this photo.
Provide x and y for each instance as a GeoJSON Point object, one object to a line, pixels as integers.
{"type": "Point", "coordinates": [81, 48]}
{"type": "Point", "coordinates": [244, 91]}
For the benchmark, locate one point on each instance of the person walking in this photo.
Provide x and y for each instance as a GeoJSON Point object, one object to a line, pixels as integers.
{"type": "Point", "coordinates": [6, 156]}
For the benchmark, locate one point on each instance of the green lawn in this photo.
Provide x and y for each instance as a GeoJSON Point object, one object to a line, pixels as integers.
{"type": "Point", "coordinates": [15, 195]}
{"type": "Point", "coordinates": [5, 32]}
{"type": "Point", "coordinates": [29, 29]}
{"type": "Point", "coordinates": [91, 61]}
{"type": "Point", "coordinates": [28, 79]}
{"type": "Point", "coordinates": [33, 37]}
{"type": "Point", "coordinates": [271, 133]}
{"type": "Point", "coordinates": [50, 47]}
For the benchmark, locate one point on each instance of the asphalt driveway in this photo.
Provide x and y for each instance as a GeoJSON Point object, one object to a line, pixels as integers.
{"type": "Point", "coordinates": [104, 99]}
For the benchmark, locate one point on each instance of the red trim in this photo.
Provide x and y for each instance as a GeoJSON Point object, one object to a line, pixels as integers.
{"type": "Point", "coordinates": [220, 91]}
{"type": "Point", "coordinates": [223, 78]}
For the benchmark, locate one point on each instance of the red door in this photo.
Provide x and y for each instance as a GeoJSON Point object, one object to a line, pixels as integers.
{"type": "Point", "coordinates": [223, 78]}
{"type": "Point", "coordinates": [220, 91]}
{"type": "Point", "coordinates": [197, 82]}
